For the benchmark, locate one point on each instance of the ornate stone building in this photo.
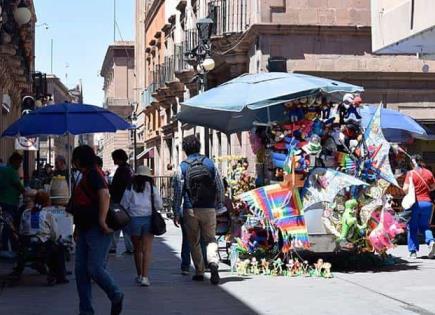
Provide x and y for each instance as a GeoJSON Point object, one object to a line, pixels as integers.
{"type": "Point", "coordinates": [327, 38]}
{"type": "Point", "coordinates": [17, 43]}
{"type": "Point", "coordinates": [118, 73]}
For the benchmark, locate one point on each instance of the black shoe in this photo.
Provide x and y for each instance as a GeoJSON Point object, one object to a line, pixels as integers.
{"type": "Point", "coordinates": [198, 278]}
{"type": "Point", "coordinates": [51, 281]}
{"type": "Point", "coordinates": [62, 281]}
{"type": "Point", "coordinates": [112, 251]}
{"type": "Point", "coordinates": [117, 306]}
{"type": "Point", "coordinates": [214, 279]}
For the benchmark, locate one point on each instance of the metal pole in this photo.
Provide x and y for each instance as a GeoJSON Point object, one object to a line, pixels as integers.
{"type": "Point", "coordinates": [135, 147]}
{"type": "Point", "coordinates": [206, 130]}
{"type": "Point", "coordinates": [49, 150]}
{"type": "Point", "coordinates": [114, 20]}
{"type": "Point", "coordinates": [51, 56]}
{"type": "Point", "coordinates": [69, 166]}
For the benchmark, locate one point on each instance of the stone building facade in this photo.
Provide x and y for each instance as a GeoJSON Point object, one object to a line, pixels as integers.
{"type": "Point", "coordinates": [17, 49]}
{"type": "Point", "coordinates": [327, 38]}
{"type": "Point", "coordinates": [119, 77]}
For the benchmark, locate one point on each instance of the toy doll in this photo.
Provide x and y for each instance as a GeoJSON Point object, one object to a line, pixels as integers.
{"type": "Point", "coordinates": [296, 112]}
{"type": "Point", "coordinates": [254, 266]}
{"type": "Point", "coordinates": [351, 114]}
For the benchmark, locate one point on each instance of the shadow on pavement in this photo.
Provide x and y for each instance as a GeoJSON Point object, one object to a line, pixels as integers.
{"type": "Point", "coordinates": [170, 292]}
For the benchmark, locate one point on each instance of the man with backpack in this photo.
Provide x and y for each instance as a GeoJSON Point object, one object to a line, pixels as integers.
{"type": "Point", "coordinates": [198, 186]}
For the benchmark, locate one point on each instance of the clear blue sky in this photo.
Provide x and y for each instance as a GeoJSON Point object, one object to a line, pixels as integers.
{"type": "Point", "coordinates": [81, 30]}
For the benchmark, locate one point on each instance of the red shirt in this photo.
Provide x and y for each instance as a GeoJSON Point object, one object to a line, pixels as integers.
{"type": "Point", "coordinates": [422, 192]}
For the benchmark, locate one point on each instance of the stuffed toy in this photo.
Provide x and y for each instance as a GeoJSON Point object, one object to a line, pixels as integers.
{"type": "Point", "coordinates": [296, 113]}
{"type": "Point", "coordinates": [318, 128]}
{"type": "Point", "coordinates": [311, 113]}
{"type": "Point", "coordinates": [351, 114]}
{"type": "Point", "coordinates": [350, 229]}
{"type": "Point", "coordinates": [313, 149]}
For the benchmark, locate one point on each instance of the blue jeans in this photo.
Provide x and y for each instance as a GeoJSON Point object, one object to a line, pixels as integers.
{"type": "Point", "coordinates": [90, 263]}
{"type": "Point", "coordinates": [185, 249]}
{"type": "Point", "coordinates": [420, 216]}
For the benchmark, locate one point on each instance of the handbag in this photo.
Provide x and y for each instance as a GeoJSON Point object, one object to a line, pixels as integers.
{"type": "Point", "coordinates": [409, 200]}
{"type": "Point", "coordinates": [158, 224]}
{"type": "Point", "coordinates": [117, 217]}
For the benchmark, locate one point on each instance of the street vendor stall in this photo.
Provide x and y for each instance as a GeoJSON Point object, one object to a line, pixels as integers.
{"type": "Point", "coordinates": [326, 153]}
{"type": "Point", "coordinates": [64, 120]}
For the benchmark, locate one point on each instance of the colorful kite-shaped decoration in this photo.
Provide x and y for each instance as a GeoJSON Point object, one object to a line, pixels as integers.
{"type": "Point", "coordinates": [283, 209]}
{"type": "Point", "coordinates": [378, 149]}
{"type": "Point", "coordinates": [323, 185]}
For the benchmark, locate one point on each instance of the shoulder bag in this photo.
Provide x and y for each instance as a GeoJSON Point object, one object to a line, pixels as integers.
{"type": "Point", "coordinates": [409, 199]}
{"type": "Point", "coordinates": [117, 216]}
{"type": "Point", "coordinates": [158, 225]}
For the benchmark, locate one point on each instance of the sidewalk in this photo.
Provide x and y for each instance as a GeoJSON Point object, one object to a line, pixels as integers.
{"type": "Point", "coordinates": [403, 289]}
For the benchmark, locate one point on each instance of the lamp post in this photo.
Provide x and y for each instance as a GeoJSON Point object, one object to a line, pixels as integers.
{"type": "Point", "coordinates": [22, 13]}
{"type": "Point", "coordinates": [133, 119]}
{"type": "Point", "coordinates": [200, 58]}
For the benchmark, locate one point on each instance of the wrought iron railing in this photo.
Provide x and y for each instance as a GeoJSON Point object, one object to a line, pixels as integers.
{"type": "Point", "coordinates": [231, 16]}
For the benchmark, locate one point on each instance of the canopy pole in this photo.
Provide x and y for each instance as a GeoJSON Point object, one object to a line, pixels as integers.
{"type": "Point", "coordinates": [69, 168]}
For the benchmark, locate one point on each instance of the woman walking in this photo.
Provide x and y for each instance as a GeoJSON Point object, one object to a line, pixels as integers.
{"type": "Point", "coordinates": [89, 206]}
{"type": "Point", "coordinates": [421, 214]}
{"type": "Point", "coordinates": [140, 200]}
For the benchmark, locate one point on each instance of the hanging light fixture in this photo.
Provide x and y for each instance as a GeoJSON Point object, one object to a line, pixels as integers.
{"type": "Point", "coordinates": [22, 13]}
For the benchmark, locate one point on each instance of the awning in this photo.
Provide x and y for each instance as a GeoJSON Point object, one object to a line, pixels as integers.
{"type": "Point", "coordinates": [148, 153]}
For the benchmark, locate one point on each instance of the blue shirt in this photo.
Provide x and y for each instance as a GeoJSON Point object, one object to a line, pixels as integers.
{"type": "Point", "coordinates": [181, 198]}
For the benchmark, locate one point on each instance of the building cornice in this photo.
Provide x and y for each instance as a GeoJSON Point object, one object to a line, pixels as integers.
{"type": "Point", "coordinates": [108, 58]}
{"type": "Point", "coordinates": [152, 11]}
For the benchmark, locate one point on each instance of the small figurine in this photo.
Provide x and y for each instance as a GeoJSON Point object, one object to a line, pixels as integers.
{"type": "Point", "coordinates": [305, 268]}
{"type": "Point", "coordinates": [296, 269]}
{"type": "Point", "coordinates": [246, 264]}
{"type": "Point", "coordinates": [265, 267]}
{"type": "Point", "coordinates": [318, 267]}
{"type": "Point", "coordinates": [326, 270]}
{"type": "Point", "coordinates": [239, 267]}
{"type": "Point", "coordinates": [277, 267]}
{"type": "Point", "coordinates": [254, 266]}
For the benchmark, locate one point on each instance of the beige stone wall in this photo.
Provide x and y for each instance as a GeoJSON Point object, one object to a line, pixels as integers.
{"type": "Point", "coordinates": [316, 12]}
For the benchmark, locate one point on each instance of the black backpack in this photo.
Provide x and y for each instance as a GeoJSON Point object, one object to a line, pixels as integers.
{"type": "Point", "coordinates": [200, 183]}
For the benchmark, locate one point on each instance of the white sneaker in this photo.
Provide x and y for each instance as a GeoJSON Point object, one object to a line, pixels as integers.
{"type": "Point", "coordinates": [431, 250]}
{"type": "Point", "coordinates": [138, 279]}
{"type": "Point", "coordinates": [413, 255]}
{"type": "Point", "coordinates": [145, 282]}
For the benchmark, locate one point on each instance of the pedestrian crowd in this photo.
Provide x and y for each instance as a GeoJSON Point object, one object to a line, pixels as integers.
{"type": "Point", "coordinates": [199, 196]}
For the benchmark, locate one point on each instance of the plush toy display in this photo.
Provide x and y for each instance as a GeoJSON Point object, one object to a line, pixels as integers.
{"type": "Point", "coordinates": [350, 229]}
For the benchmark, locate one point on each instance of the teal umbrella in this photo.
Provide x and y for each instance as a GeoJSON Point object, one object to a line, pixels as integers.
{"type": "Point", "coordinates": [235, 105]}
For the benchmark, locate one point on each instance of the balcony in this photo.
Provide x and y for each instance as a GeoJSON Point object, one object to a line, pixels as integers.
{"type": "Point", "coordinates": [146, 97]}
{"type": "Point", "coordinates": [231, 16]}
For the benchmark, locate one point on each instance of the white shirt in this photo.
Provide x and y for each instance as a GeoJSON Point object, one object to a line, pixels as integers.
{"type": "Point", "coordinates": [43, 227]}
{"type": "Point", "coordinates": [139, 204]}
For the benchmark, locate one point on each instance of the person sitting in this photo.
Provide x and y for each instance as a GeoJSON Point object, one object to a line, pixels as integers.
{"type": "Point", "coordinates": [38, 231]}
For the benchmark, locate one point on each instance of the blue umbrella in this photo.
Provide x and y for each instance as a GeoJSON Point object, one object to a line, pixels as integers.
{"type": "Point", "coordinates": [236, 104]}
{"type": "Point", "coordinates": [66, 118]}
{"type": "Point", "coordinates": [397, 126]}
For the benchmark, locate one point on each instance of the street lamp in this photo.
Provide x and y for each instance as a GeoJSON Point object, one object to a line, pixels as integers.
{"type": "Point", "coordinates": [22, 13]}
{"type": "Point", "coordinates": [200, 58]}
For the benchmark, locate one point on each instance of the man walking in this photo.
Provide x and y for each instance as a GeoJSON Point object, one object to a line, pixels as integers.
{"type": "Point", "coordinates": [199, 187]}
{"type": "Point", "coordinates": [121, 180]}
